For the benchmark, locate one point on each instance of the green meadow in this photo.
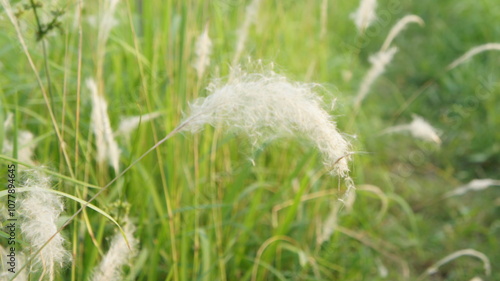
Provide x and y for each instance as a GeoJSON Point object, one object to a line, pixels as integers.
{"type": "Point", "coordinates": [214, 205]}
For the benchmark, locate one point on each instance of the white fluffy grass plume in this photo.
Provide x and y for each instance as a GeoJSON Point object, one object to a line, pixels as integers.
{"type": "Point", "coordinates": [107, 147]}
{"type": "Point", "coordinates": [129, 124]}
{"type": "Point", "coordinates": [418, 128]}
{"type": "Point", "coordinates": [40, 211]}
{"type": "Point", "coordinates": [474, 185]}
{"type": "Point", "coordinates": [267, 105]}
{"type": "Point", "coordinates": [365, 15]}
{"type": "Point", "coordinates": [119, 253]}
{"type": "Point", "coordinates": [202, 51]}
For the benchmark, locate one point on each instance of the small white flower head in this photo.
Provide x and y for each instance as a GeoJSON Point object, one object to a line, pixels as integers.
{"type": "Point", "coordinates": [40, 211]}
{"type": "Point", "coordinates": [266, 106]}
{"type": "Point", "coordinates": [379, 61]}
{"type": "Point", "coordinates": [129, 124]}
{"type": "Point", "coordinates": [418, 128]}
{"type": "Point", "coordinates": [107, 147]}
{"type": "Point", "coordinates": [203, 51]}
{"type": "Point", "coordinates": [365, 15]}
{"type": "Point", "coordinates": [474, 185]}
{"type": "Point", "coordinates": [119, 253]}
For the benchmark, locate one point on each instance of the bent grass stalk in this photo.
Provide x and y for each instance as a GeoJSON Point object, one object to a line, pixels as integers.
{"type": "Point", "coordinates": [460, 60]}
{"type": "Point", "coordinates": [398, 27]}
{"type": "Point", "coordinates": [472, 52]}
{"type": "Point", "coordinates": [466, 252]}
{"type": "Point", "coordinates": [474, 185]}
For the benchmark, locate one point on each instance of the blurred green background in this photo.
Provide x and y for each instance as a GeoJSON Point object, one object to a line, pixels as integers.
{"type": "Point", "coordinates": [203, 210]}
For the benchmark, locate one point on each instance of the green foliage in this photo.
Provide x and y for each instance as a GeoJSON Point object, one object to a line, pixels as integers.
{"type": "Point", "coordinates": [209, 207]}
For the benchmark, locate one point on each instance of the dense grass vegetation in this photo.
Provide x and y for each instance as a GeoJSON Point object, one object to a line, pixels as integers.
{"type": "Point", "coordinates": [211, 206]}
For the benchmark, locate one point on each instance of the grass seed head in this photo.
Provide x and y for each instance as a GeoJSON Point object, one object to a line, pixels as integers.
{"type": "Point", "coordinates": [472, 52]}
{"type": "Point", "coordinates": [119, 253]}
{"type": "Point", "coordinates": [107, 147]}
{"type": "Point", "coordinates": [365, 15]}
{"type": "Point", "coordinates": [203, 51]}
{"type": "Point", "coordinates": [129, 124]}
{"type": "Point", "coordinates": [266, 106]}
{"type": "Point", "coordinates": [474, 185]}
{"type": "Point", "coordinates": [40, 211]}
{"type": "Point", "coordinates": [418, 128]}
